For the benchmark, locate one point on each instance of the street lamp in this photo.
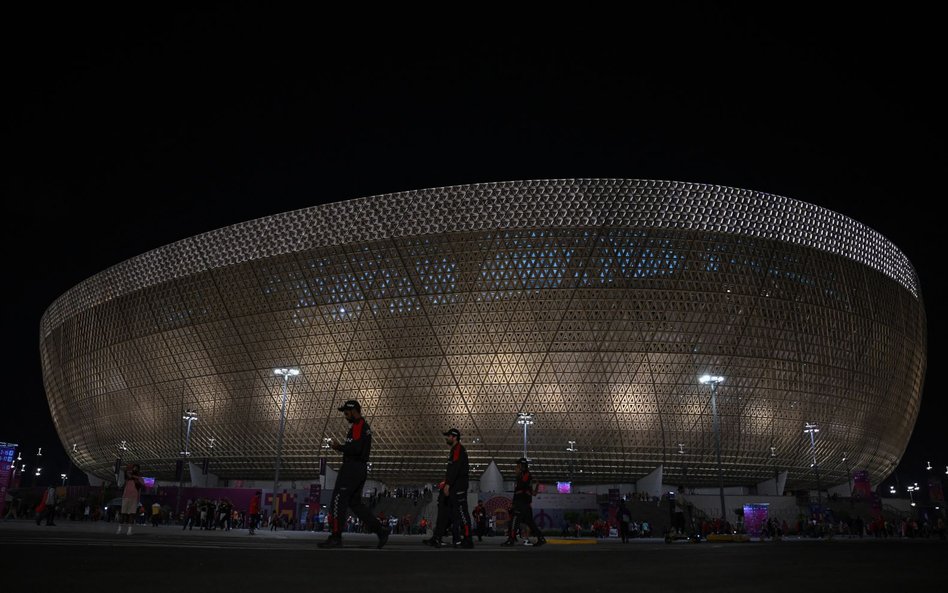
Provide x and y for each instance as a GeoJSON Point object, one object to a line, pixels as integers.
{"type": "Point", "coordinates": [714, 382]}
{"type": "Point", "coordinates": [911, 491]}
{"type": "Point", "coordinates": [286, 374]}
{"type": "Point", "coordinates": [849, 475]}
{"type": "Point", "coordinates": [773, 456]}
{"type": "Point", "coordinates": [63, 476]}
{"type": "Point", "coordinates": [572, 459]}
{"type": "Point", "coordinates": [812, 429]}
{"type": "Point", "coordinates": [189, 416]}
{"type": "Point", "coordinates": [526, 419]}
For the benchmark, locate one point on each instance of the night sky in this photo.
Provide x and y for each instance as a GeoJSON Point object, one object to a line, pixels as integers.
{"type": "Point", "coordinates": [126, 131]}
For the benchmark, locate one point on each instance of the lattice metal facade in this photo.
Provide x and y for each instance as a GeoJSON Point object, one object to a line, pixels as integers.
{"type": "Point", "coordinates": [594, 304]}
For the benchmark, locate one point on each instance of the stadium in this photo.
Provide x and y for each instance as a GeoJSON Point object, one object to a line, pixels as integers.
{"type": "Point", "coordinates": [592, 306]}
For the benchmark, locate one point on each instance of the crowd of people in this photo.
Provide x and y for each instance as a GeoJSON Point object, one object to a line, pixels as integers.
{"type": "Point", "coordinates": [348, 513]}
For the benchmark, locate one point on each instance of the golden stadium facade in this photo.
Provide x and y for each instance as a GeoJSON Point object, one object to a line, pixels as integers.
{"type": "Point", "coordinates": [594, 304]}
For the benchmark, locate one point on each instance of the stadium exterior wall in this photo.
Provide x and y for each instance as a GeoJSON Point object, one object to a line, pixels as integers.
{"type": "Point", "coordinates": [594, 304]}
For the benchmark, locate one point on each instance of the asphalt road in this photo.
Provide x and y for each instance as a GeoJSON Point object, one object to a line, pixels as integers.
{"type": "Point", "coordinates": [77, 557]}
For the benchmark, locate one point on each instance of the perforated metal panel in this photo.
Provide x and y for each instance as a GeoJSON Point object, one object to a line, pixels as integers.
{"type": "Point", "coordinates": [594, 304]}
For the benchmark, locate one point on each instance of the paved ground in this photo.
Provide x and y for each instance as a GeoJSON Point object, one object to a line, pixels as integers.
{"type": "Point", "coordinates": [91, 557]}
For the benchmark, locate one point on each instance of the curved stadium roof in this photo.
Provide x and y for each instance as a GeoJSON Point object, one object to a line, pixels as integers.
{"type": "Point", "coordinates": [592, 303]}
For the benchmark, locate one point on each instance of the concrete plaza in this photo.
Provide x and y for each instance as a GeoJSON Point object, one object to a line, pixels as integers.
{"type": "Point", "coordinates": [91, 557]}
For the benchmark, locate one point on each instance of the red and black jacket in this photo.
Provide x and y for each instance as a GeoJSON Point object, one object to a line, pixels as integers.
{"type": "Point", "coordinates": [523, 490]}
{"type": "Point", "coordinates": [457, 474]}
{"type": "Point", "coordinates": [355, 451]}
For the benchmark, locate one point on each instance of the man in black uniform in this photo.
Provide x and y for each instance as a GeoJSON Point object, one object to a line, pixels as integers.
{"type": "Point", "coordinates": [452, 499]}
{"type": "Point", "coordinates": [351, 478]}
{"type": "Point", "coordinates": [524, 490]}
{"type": "Point", "coordinates": [441, 521]}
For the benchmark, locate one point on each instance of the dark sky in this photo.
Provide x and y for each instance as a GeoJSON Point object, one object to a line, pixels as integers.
{"type": "Point", "coordinates": [130, 130]}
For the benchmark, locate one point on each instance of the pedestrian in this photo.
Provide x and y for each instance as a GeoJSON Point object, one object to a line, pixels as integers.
{"type": "Point", "coordinates": [443, 519]}
{"type": "Point", "coordinates": [130, 494]}
{"type": "Point", "coordinates": [351, 478]}
{"type": "Point", "coordinates": [454, 503]}
{"type": "Point", "coordinates": [13, 509]}
{"type": "Point", "coordinates": [47, 507]}
{"type": "Point", "coordinates": [479, 516]}
{"type": "Point", "coordinates": [254, 512]}
{"type": "Point", "coordinates": [455, 489]}
{"type": "Point", "coordinates": [524, 491]}
{"type": "Point", "coordinates": [192, 514]}
{"type": "Point", "coordinates": [624, 517]}
{"type": "Point", "coordinates": [155, 514]}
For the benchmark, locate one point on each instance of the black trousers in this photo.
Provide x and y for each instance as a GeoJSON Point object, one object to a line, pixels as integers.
{"type": "Point", "coordinates": [460, 517]}
{"type": "Point", "coordinates": [523, 516]}
{"type": "Point", "coordinates": [444, 516]}
{"type": "Point", "coordinates": [346, 496]}
{"type": "Point", "coordinates": [48, 513]}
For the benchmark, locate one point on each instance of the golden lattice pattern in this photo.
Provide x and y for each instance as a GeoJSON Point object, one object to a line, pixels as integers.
{"type": "Point", "coordinates": [594, 304]}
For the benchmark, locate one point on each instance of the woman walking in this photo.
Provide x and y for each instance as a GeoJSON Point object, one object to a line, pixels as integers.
{"type": "Point", "coordinates": [130, 495]}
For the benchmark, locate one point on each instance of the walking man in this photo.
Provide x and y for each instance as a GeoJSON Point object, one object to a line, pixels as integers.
{"type": "Point", "coordinates": [479, 515]}
{"type": "Point", "coordinates": [454, 501]}
{"type": "Point", "coordinates": [351, 479]}
{"type": "Point", "coordinates": [47, 507]}
{"type": "Point", "coordinates": [253, 513]}
{"type": "Point", "coordinates": [524, 490]}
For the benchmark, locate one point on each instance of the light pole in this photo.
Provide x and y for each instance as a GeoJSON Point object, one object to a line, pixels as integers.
{"type": "Point", "coordinates": [19, 459]}
{"type": "Point", "coordinates": [911, 491]}
{"type": "Point", "coordinates": [813, 429]}
{"type": "Point", "coordinates": [286, 374]}
{"type": "Point", "coordinates": [572, 463]}
{"type": "Point", "coordinates": [773, 456]}
{"type": "Point", "coordinates": [849, 475]}
{"type": "Point", "coordinates": [714, 381]}
{"type": "Point", "coordinates": [526, 419]}
{"type": "Point", "coordinates": [189, 416]}
{"type": "Point", "coordinates": [39, 470]}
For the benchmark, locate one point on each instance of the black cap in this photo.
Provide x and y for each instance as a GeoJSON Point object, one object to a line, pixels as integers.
{"type": "Point", "coordinates": [452, 432]}
{"type": "Point", "coordinates": [523, 461]}
{"type": "Point", "coordinates": [350, 405]}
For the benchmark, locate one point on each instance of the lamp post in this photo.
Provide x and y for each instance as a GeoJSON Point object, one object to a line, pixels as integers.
{"type": "Point", "coordinates": [849, 475]}
{"type": "Point", "coordinates": [189, 416]}
{"type": "Point", "coordinates": [813, 429]}
{"type": "Point", "coordinates": [286, 374]}
{"type": "Point", "coordinates": [525, 419]}
{"type": "Point", "coordinates": [39, 470]}
{"type": "Point", "coordinates": [572, 463]}
{"type": "Point", "coordinates": [773, 456]}
{"type": "Point", "coordinates": [911, 491]}
{"type": "Point", "coordinates": [714, 381]}
{"type": "Point", "coordinates": [19, 459]}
